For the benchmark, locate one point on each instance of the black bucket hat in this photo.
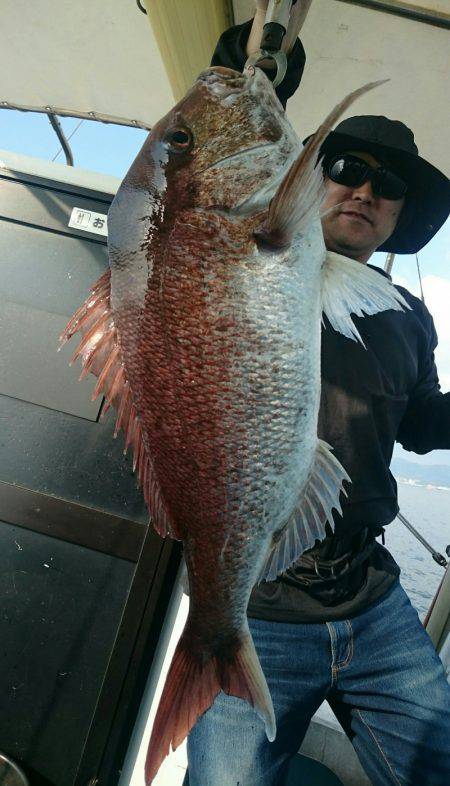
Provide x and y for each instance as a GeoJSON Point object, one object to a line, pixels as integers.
{"type": "Point", "coordinates": [428, 197]}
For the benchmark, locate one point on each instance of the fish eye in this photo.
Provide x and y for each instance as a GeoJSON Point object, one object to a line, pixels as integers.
{"type": "Point", "coordinates": [179, 140]}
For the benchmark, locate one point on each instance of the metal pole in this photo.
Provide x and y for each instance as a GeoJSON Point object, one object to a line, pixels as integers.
{"type": "Point", "coordinates": [439, 558]}
{"type": "Point", "coordinates": [56, 125]}
{"type": "Point", "coordinates": [408, 10]}
{"type": "Point", "coordinates": [389, 263]}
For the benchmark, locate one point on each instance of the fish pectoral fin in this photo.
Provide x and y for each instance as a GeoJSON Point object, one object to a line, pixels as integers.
{"type": "Point", "coordinates": [295, 204]}
{"type": "Point", "coordinates": [350, 287]}
{"type": "Point", "coordinates": [192, 684]}
{"type": "Point", "coordinates": [100, 354]}
{"type": "Point", "coordinates": [314, 509]}
{"type": "Point", "coordinates": [298, 198]}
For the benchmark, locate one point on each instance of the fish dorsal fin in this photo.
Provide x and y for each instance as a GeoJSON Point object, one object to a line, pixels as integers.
{"type": "Point", "coordinates": [100, 354]}
{"type": "Point", "coordinates": [298, 198]}
{"type": "Point", "coordinates": [350, 287]}
{"type": "Point", "coordinates": [313, 510]}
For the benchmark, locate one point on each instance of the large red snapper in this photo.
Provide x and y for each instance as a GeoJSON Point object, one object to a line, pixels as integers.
{"type": "Point", "coordinates": [205, 336]}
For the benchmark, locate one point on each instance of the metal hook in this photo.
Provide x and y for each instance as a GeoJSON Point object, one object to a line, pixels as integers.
{"type": "Point", "coordinates": [279, 58]}
{"type": "Point", "coordinates": [275, 27]}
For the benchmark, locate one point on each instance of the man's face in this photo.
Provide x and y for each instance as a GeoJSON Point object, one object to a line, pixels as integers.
{"type": "Point", "coordinates": [363, 221]}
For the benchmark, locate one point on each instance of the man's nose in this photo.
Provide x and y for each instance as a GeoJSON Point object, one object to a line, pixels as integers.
{"type": "Point", "coordinates": [364, 192]}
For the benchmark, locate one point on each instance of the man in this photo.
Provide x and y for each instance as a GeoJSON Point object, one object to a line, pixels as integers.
{"type": "Point", "coordinates": [337, 625]}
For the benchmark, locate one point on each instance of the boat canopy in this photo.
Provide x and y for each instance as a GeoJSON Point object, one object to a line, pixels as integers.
{"type": "Point", "coordinates": [112, 61]}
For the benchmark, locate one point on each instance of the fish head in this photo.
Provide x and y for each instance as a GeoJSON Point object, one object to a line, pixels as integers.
{"type": "Point", "coordinates": [227, 142]}
{"type": "Point", "coordinates": [225, 145]}
{"type": "Point", "coordinates": [220, 153]}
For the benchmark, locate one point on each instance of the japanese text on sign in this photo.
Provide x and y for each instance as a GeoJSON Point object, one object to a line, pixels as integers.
{"type": "Point", "coordinates": [88, 221]}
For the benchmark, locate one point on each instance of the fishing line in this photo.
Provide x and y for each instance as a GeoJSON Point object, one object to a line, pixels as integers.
{"type": "Point", "coordinates": [420, 278]}
{"type": "Point", "coordinates": [330, 209]}
{"type": "Point", "coordinates": [69, 137]}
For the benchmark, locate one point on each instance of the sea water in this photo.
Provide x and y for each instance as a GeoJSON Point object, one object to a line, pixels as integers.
{"type": "Point", "coordinates": [427, 508]}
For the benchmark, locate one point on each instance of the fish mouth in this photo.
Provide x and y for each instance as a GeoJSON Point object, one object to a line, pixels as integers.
{"type": "Point", "coordinates": [221, 74]}
{"type": "Point", "coordinates": [223, 82]}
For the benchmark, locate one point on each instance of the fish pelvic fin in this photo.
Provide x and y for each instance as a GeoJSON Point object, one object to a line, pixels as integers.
{"type": "Point", "coordinates": [350, 287]}
{"type": "Point", "coordinates": [100, 353]}
{"type": "Point", "coordinates": [314, 509]}
{"type": "Point", "coordinates": [300, 194]}
{"type": "Point", "coordinates": [192, 684]}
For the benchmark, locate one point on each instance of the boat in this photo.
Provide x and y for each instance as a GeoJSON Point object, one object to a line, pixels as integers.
{"type": "Point", "coordinates": [92, 599]}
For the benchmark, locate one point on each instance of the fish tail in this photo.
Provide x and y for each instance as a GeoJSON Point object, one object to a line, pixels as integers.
{"type": "Point", "coordinates": [190, 688]}
{"type": "Point", "coordinates": [241, 675]}
{"type": "Point", "coordinates": [193, 683]}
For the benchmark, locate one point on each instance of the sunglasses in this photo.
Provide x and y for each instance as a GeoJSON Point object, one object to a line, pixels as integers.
{"type": "Point", "coordinates": [348, 170]}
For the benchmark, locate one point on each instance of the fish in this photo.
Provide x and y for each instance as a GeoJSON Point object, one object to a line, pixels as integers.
{"type": "Point", "coordinates": [204, 334]}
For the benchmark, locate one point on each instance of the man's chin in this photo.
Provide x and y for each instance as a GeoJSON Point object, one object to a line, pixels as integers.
{"type": "Point", "coordinates": [353, 245]}
{"type": "Point", "coordinates": [348, 247]}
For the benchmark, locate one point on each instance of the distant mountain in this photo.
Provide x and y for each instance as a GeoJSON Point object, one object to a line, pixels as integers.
{"type": "Point", "coordinates": [438, 475]}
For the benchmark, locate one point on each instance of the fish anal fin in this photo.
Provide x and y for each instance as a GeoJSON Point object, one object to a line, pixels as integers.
{"type": "Point", "coordinates": [313, 511]}
{"type": "Point", "coordinates": [191, 687]}
{"type": "Point", "coordinates": [101, 355]}
{"type": "Point", "coordinates": [350, 287]}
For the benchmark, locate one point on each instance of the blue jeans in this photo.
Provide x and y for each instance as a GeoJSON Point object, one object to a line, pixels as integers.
{"type": "Point", "coordinates": [380, 674]}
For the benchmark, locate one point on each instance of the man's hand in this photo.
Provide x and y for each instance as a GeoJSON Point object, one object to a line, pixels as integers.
{"type": "Point", "coordinates": [298, 15]}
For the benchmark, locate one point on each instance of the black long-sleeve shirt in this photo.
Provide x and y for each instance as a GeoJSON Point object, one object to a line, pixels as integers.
{"type": "Point", "coordinates": [375, 396]}
{"type": "Point", "coordinates": [370, 398]}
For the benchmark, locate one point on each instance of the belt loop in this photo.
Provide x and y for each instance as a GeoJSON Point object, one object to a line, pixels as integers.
{"type": "Point", "coordinates": [330, 568]}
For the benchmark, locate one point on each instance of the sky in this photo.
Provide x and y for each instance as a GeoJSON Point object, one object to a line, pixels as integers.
{"type": "Point", "coordinates": [111, 149]}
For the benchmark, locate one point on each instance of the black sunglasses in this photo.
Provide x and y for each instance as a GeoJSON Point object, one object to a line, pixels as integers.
{"type": "Point", "coordinates": [348, 170]}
